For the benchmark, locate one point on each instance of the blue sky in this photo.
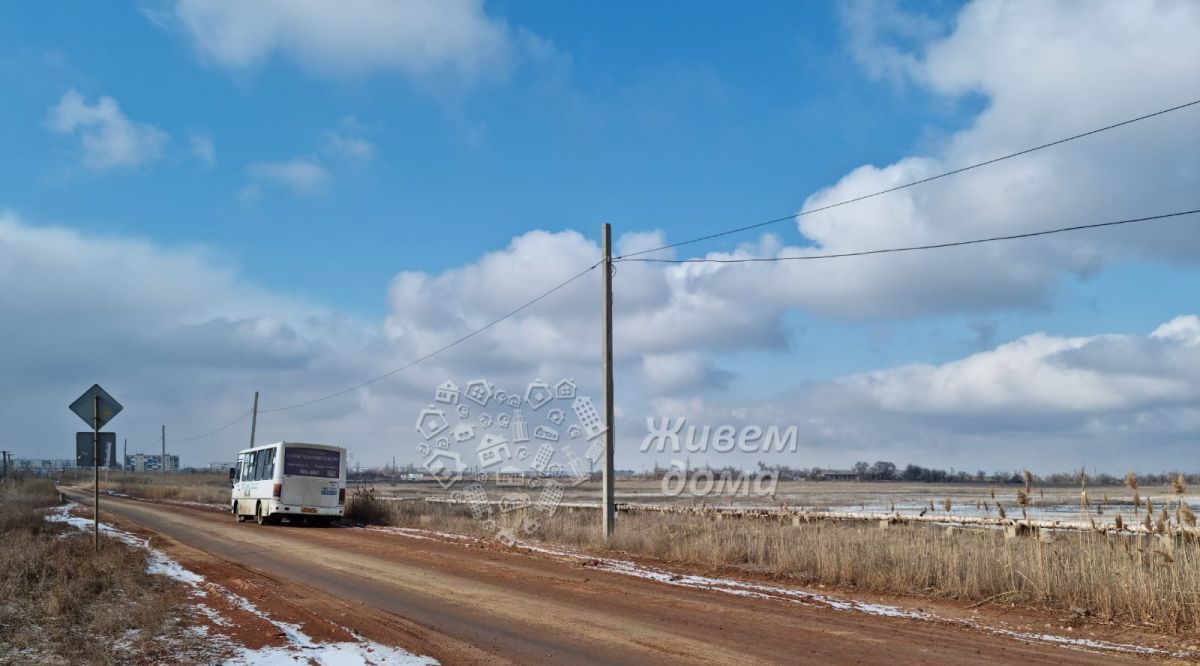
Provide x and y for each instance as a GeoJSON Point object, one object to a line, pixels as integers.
{"type": "Point", "coordinates": [728, 118]}
{"type": "Point", "coordinates": [334, 162]}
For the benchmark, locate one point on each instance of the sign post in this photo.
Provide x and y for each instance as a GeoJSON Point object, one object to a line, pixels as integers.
{"type": "Point", "coordinates": [96, 407]}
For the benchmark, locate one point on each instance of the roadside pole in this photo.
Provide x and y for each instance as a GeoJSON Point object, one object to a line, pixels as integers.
{"type": "Point", "coordinates": [95, 472]}
{"type": "Point", "coordinates": [162, 462]}
{"type": "Point", "coordinates": [254, 419]}
{"type": "Point", "coordinates": [4, 454]}
{"type": "Point", "coordinates": [610, 507]}
{"type": "Point", "coordinates": [96, 408]}
{"type": "Point", "coordinates": [124, 462]}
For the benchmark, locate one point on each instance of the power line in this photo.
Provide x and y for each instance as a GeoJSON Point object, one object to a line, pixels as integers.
{"type": "Point", "coordinates": [912, 248]}
{"type": "Point", "coordinates": [213, 431]}
{"type": "Point", "coordinates": [912, 183]}
{"type": "Point", "coordinates": [402, 368]}
{"type": "Point", "coordinates": [437, 351]}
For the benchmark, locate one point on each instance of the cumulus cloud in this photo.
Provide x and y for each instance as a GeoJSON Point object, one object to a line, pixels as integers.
{"type": "Point", "coordinates": [451, 39]}
{"type": "Point", "coordinates": [1041, 401]}
{"type": "Point", "coordinates": [204, 150]}
{"type": "Point", "coordinates": [108, 138]}
{"type": "Point", "coordinates": [304, 176]}
{"type": "Point", "coordinates": [665, 373]}
{"type": "Point", "coordinates": [1042, 72]}
{"type": "Point", "coordinates": [347, 146]}
{"type": "Point", "coordinates": [185, 341]}
{"type": "Point", "coordinates": [1042, 374]}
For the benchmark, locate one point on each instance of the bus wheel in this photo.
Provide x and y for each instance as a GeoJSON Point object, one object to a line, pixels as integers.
{"type": "Point", "coordinates": [240, 517]}
{"type": "Point", "coordinates": [259, 517]}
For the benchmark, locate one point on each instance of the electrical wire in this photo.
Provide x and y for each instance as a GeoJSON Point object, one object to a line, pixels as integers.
{"type": "Point", "coordinates": [912, 183]}
{"type": "Point", "coordinates": [437, 351]}
{"type": "Point", "coordinates": [402, 368]}
{"type": "Point", "coordinates": [213, 431]}
{"type": "Point", "coordinates": [913, 248]}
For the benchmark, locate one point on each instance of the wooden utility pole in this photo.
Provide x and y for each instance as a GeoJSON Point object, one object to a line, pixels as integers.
{"type": "Point", "coordinates": [95, 472]}
{"type": "Point", "coordinates": [162, 462]}
{"type": "Point", "coordinates": [609, 510]}
{"type": "Point", "coordinates": [254, 419]}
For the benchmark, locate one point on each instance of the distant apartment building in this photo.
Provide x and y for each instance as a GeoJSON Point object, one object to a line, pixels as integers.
{"type": "Point", "coordinates": [40, 465]}
{"type": "Point", "coordinates": [151, 462]}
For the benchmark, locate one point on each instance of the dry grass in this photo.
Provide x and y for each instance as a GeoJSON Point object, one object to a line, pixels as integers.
{"type": "Point", "coordinates": [202, 488]}
{"type": "Point", "coordinates": [364, 505]}
{"type": "Point", "coordinates": [63, 602]}
{"type": "Point", "coordinates": [1150, 580]}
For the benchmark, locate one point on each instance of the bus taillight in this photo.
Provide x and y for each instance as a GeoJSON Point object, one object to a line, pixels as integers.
{"type": "Point", "coordinates": [277, 490]}
{"type": "Point", "coordinates": [341, 495]}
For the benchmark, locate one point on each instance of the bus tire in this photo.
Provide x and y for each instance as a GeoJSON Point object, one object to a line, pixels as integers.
{"type": "Point", "coordinates": [259, 517]}
{"type": "Point", "coordinates": [240, 517]}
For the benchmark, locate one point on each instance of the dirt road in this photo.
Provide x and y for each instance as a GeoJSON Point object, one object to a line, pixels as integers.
{"type": "Point", "coordinates": [469, 604]}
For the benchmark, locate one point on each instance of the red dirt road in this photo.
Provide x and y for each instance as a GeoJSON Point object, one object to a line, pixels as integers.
{"type": "Point", "coordinates": [465, 604]}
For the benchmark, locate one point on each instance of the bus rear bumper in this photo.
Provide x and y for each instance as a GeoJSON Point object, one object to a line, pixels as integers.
{"type": "Point", "coordinates": [281, 509]}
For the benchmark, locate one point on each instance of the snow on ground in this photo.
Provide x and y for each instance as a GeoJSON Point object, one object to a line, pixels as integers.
{"type": "Point", "coordinates": [301, 648]}
{"type": "Point", "coordinates": [757, 590]}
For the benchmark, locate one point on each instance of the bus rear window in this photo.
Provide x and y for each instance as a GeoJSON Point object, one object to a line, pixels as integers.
{"type": "Point", "coordinates": [302, 461]}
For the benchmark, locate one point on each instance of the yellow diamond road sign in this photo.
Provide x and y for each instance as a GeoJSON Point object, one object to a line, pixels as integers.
{"type": "Point", "coordinates": [84, 406]}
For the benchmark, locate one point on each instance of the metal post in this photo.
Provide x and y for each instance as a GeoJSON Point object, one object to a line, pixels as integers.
{"type": "Point", "coordinates": [5, 454]}
{"type": "Point", "coordinates": [254, 419]}
{"type": "Point", "coordinates": [162, 462]}
{"type": "Point", "coordinates": [125, 462]}
{"type": "Point", "coordinates": [96, 472]}
{"type": "Point", "coordinates": [610, 507]}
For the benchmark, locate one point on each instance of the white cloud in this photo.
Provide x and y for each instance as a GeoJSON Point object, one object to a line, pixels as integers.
{"type": "Point", "coordinates": [1046, 71]}
{"type": "Point", "coordinates": [108, 138]}
{"type": "Point", "coordinates": [203, 149]}
{"type": "Point", "coordinates": [449, 39]}
{"type": "Point", "coordinates": [303, 175]}
{"type": "Point", "coordinates": [183, 340]}
{"type": "Point", "coordinates": [1044, 374]}
{"type": "Point", "coordinates": [690, 371]}
{"type": "Point", "coordinates": [1042, 401]}
{"type": "Point", "coordinates": [347, 146]}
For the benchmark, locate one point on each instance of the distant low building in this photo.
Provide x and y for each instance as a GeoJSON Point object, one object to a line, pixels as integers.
{"type": "Point", "coordinates": [839, 475]}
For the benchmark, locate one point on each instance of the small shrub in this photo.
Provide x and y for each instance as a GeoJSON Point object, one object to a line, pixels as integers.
{"type": "Point", "coordinates": [365, 506]}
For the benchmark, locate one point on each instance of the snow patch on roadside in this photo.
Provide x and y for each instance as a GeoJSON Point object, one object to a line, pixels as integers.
{"type": "Point", "coordinates": [301, 648]}
{"type": "Point", "coordinates": [761, 591]}
{"type": "Point", "coordinates": [158, 562]}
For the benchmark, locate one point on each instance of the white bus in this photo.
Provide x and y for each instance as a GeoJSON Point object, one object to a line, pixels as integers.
{"type": "Point", "coordinates": [300, 481]}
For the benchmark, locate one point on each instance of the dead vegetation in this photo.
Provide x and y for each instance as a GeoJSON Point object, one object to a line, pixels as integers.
{"type": "Point", "coordinates": [1151, 580]}
{"type": "Point", "coordinates": [200, 488]}
{"type": "Point", "coordinates": [63, 602]}
{"type": "Point", "coordinates": [364, 505]}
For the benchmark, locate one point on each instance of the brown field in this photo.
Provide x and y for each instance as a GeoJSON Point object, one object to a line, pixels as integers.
{"type": "Point", "coordinates": [1146, 579]}
{"type": "Point", "coordinates": [1151, 579]}
{"type": "Point", "coordinates": [201, 488]}
{"type": "Point", "coordinates": [63, 602]}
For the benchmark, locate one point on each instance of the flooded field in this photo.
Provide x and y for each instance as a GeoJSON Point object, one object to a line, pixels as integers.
{"type": "Point", "coordinates": [958, 500]}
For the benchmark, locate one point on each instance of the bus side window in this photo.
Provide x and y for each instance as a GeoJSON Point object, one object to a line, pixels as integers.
{"type": "Point", "coordinates": [270, 466]}
{"type": "Point", "coordinates": [260, 465]}
{"type": "Point", "coordinates": [250, 465]}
